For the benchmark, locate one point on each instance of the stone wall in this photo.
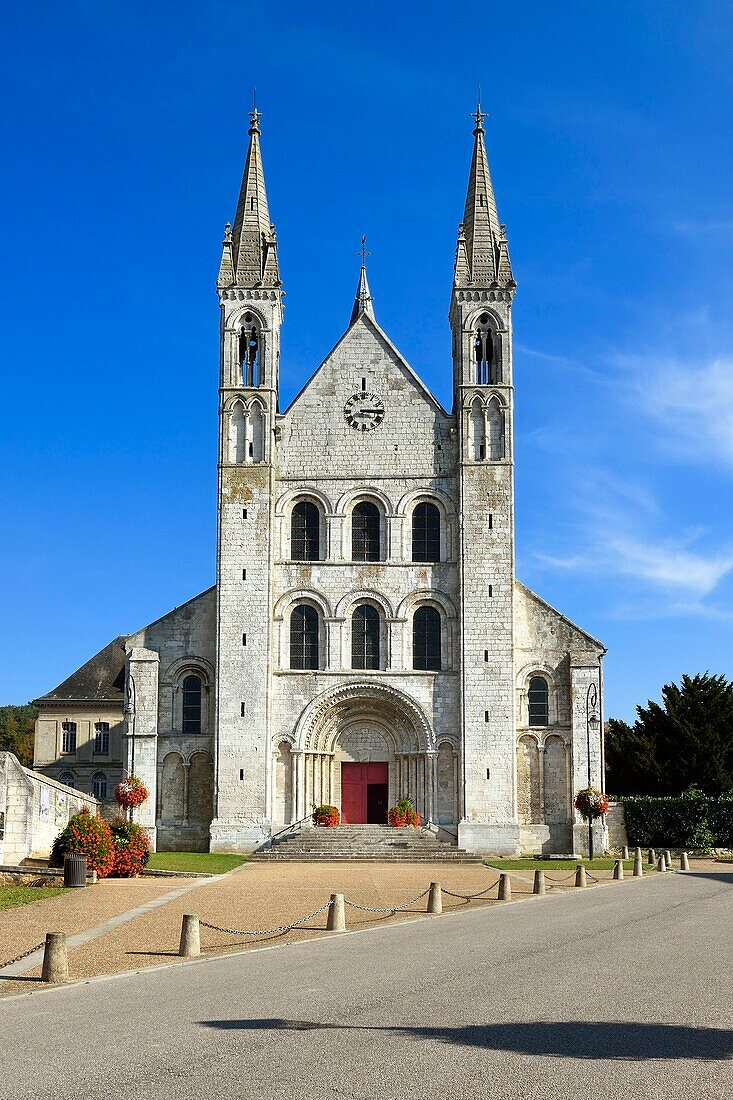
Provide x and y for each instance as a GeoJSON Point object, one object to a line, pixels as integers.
{"type": "Point", "coordinates": [33, 810]}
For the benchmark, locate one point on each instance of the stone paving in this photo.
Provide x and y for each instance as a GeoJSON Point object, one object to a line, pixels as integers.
{"type": "Point", "coordinates": [254, 896]}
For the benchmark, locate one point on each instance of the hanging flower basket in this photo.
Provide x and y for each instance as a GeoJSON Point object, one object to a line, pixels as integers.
{"type": "Point", "coordinates": [130, 792]}
{"type": "Point", "coordinates": [403, 814]}
{"type": "Point", "coordinates": [326, 816]}
{"type": "Point", "coordinates": [591, 804]}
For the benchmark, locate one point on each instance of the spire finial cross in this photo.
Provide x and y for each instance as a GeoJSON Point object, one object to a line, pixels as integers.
{"type": "Point", "coordinates": [478, 114]}
{"type": "Point", "coordinates": [254, 114]}
{"type": "Point", "coordinates": [363, 251]}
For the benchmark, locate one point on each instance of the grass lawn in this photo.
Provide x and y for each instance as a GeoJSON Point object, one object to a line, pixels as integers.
{"type": "Point", "coordinates": [206, 863]}
{"type": "Point", "coordinates": [10, 896]}
{"type": "Point", "coordinates": [557, 864]}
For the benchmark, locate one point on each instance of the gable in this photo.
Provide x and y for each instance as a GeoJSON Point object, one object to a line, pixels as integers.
{"type": "Point", "coordinates": [187, 631]}
{"type": "Point", "coordinates": [413, 436]}
{"type": "Point", "coordinates": [537, 623]}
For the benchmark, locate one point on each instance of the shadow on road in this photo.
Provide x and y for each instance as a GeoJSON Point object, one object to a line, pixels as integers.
{"type": "Point", "coordinates": [717, 876]}
{"type": "Point", "coordinates": [628, 1041]}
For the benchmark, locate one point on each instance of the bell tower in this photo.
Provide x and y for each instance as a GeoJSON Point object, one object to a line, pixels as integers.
{"type": "Point", "coordinates": [251, 301]}
{"type": "Point", "coordinates": [480, 318]}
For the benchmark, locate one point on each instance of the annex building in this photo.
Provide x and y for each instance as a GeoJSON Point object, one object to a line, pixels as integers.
{"type": "Point", "coordinates": [366, 638]}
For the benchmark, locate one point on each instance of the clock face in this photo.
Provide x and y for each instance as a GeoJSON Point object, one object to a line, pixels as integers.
{"type": "Point", "coordinates": [364, 411]}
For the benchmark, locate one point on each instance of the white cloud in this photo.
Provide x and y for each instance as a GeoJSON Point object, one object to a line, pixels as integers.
{"type": "Point", "coordinates": [692, 403]}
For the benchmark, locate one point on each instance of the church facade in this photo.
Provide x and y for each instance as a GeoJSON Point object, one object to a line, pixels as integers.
{"type": "Point", "coordinates": [366, 639]}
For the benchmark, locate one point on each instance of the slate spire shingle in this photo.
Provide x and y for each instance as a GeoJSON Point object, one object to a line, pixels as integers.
{"type": "Point", "coordinates": [249, 256]}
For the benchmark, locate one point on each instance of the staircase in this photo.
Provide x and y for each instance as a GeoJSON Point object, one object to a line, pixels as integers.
{"type": "Point", "coordinates": [364, 844]}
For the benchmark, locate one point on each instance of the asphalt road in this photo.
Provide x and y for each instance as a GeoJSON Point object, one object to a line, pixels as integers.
{"type": "Point", "coordinates": [625, 989]}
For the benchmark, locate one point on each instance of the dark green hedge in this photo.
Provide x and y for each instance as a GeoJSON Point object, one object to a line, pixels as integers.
{"type": "Point", "coordinates": [684, 821]}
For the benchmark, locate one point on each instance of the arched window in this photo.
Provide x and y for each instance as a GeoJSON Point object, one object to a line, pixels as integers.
{"type": "Point", "coordinates": [426, 639]}
{"type": "Point", "coordinates": [68, 736]}
{"type": "Point", "coordinates": [365, 637]}
{"type": "Point", "coordinates": [425, 532]}
{"type": "Point", "coordinates": [538, 698]}
{"type": "Point", "coordinates": [476, 431]}
{"type": "Point", "coordinates": [305, 522]}
{"type": "Point", "coordinates": [495, 425]}
{"type": "Point", "coordinates": [249, 351]}
{"type": "Point", "coordinates": [255, 434]}
{"type": "Point", "coordinates": [99, 785]}
{"type": "Point", "coordinates": [192, 704]}
{"type": "Point", "coordinates": [304, 629]}
{"type": "Point", "coordinates": [485, 348]}
{"type": "Point", "coordinates": [68, 779]}
{"type": "Point", "coordinates": [365, 532]}
{"type": "Point", "coordinates": [237, 438]}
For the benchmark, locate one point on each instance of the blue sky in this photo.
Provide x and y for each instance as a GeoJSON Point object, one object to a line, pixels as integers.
{"type": "Point", "coordinates": [611, 148]}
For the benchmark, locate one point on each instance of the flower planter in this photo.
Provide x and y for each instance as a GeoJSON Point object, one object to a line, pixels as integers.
{"type": "Point", "coordinates": [403, 815]}
{"type": "Point", "coordinates": [326, 817]}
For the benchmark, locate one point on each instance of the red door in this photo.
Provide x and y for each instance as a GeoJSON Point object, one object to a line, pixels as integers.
{"type": "Point", "coordinates": [356, 779]}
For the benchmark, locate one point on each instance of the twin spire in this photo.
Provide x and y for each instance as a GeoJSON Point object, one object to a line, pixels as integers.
{"type": "Point", "coordinates": [482, 253]}
{"type": "Point", "coordinates": [249, 256]}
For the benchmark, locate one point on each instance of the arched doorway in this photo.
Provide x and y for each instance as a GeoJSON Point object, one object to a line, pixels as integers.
{"type": "Point", "coordinates": [362, 747]}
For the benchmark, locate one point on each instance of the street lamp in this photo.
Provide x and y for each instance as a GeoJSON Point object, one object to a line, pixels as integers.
{"type": "Point", "coordinates": [592, 723]}
{"type": "Point", "coordinates": [130, 708]}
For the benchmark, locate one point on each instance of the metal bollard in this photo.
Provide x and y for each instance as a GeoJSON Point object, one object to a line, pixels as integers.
{"type": "Point", "coordinates": [55, 958]}
{"type": "Point", "coordinates": [618, 870]}
{"type": "Point", "coordinates": [668, 859]}
{"type": "Point", "coordinates": [625, 852]}
{"type": "Point", "coordinates": [505, 887]}
{"type": "Point", "coordinates": [336, 914]}
{"type": "Point", "coordinates": [190, 947]}
{"type": "Point", "coordinates": [651, 857]}
{"type": "Point", "coordinates": [661, 862]}
{"type": "Point", "coordinates": [539, 882]}
{"type": "Point", "coordinates": [684, 862]}
{"type": "Point", "coordinates": [638, 864]}
{"type": "Point", "coordinates": [435, 898]}
{"type": "Point", "coordinates": [580, 879]}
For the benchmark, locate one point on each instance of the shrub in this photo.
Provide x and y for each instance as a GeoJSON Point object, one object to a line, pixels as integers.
{"type": "Point", "coordinates": [327, 816]}
{"type": "Point", "coordinates": [91, 837]}
{"type": "Point", "coordinates": [130, 792]}
{"type": "Point", "coordinates": [403, 814]}
{"type": "Point", "coordinates": [131, 848]}
{"type": "Point", "coordinates": [690, 820]}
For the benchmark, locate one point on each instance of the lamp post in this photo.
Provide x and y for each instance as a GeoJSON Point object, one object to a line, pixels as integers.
{"type": "Point", "coordinates": [592, 722]}
{"type": "Point", "coordinates": [130, 708]}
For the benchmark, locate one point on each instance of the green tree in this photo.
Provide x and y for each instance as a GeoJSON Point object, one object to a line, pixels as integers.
{"type": "Point", "coordinates": [17, 732]}
{"type": "Point", "coordinates": [686, 742]}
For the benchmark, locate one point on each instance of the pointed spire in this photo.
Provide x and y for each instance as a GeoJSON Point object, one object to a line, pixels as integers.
{"type": "Point", "coordinates": [363, 302]}
{"type": "Point", "coordinates": [253, 243]}
{"type": "Point", "coordinates": [485, 254]}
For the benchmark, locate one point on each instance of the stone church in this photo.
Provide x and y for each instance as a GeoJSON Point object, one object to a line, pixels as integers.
{"type": "Point", "coordinates": [366, 639]}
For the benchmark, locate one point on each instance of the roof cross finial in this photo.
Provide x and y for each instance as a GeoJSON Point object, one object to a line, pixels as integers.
{"type": "Point", "coordinates": [254, 114]}
{"type": "Point", "coordinates": [363, 251]}
{"type": "Point", "coordinates": [478, 114]}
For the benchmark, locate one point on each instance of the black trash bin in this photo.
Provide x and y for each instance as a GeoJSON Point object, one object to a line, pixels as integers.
{"type": "Point", "coordinates": [75, 869]}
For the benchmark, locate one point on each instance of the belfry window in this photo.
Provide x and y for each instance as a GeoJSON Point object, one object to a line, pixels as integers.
{"type": "Point", "coordinates": [249, 351]}
{"type": "Point", "coordinates": [426, 639]}
{"type": "Point", "coordinates": [538, 699]}
{"type": "Point", "coordinates": [365, 637]}
{"type": "Point", "coordinates": [485, 348]}
{"type": "Point", "coordinates": [305, 532]}
{"type": "Point", "coordinates": [304, 637]}
{"type": "Point", "coordinates": [425, 532]}
{"type": "Point", "coordinates": [365, 532]}
{"type": "Point", "coordinates": [191, 704]}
